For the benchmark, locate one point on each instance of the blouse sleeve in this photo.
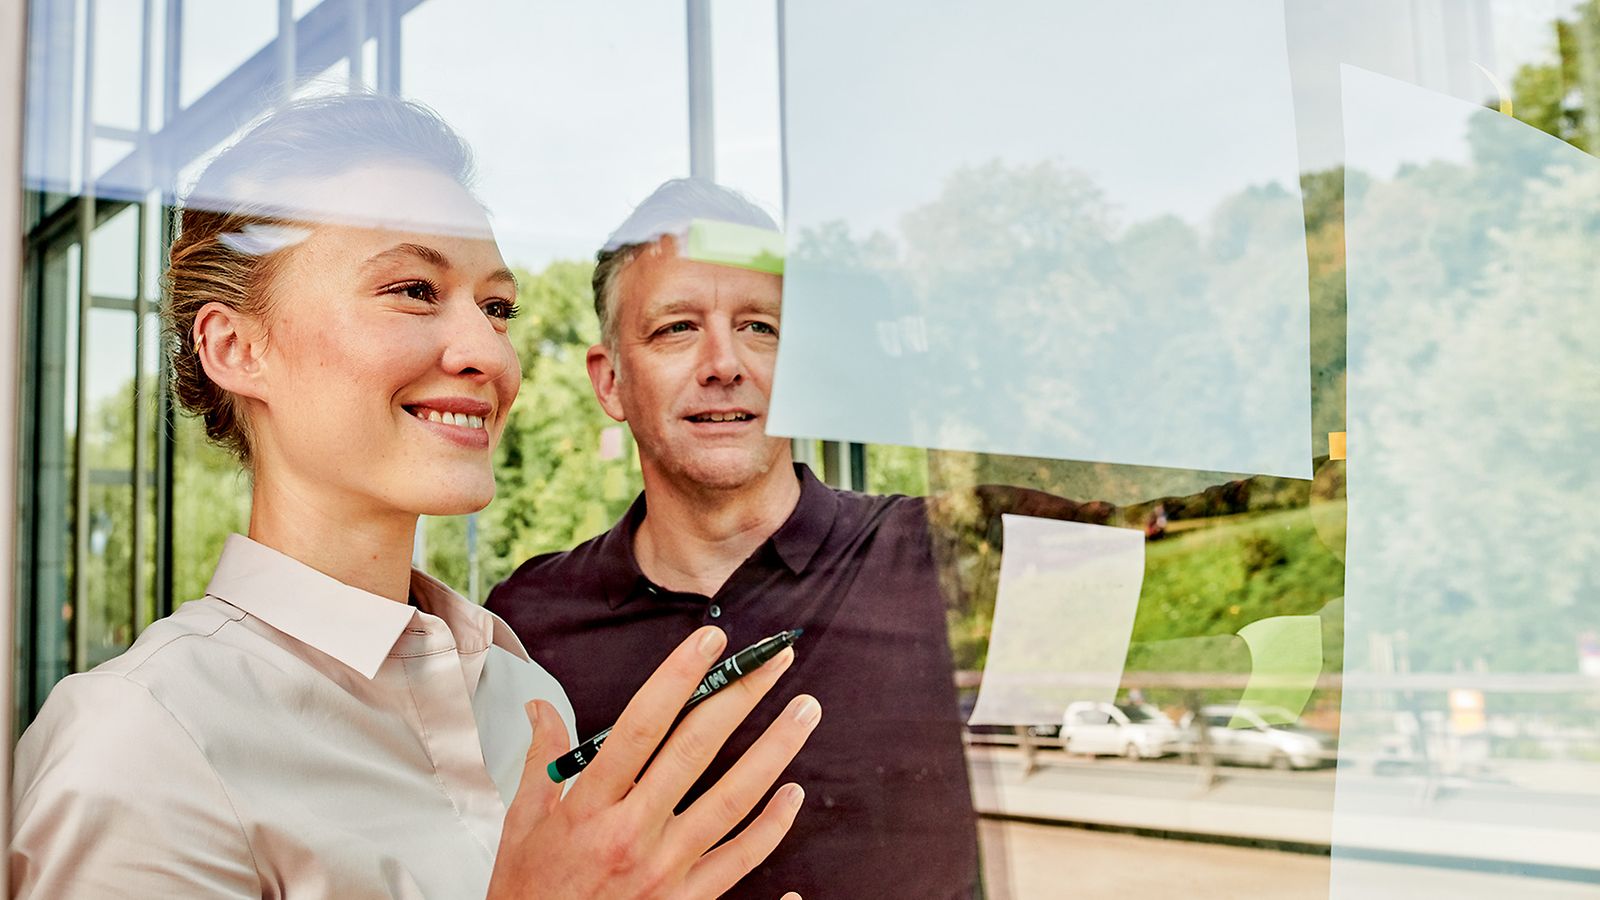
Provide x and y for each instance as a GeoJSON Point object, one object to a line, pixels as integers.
{"type": "Point", "coordinates": [113, 798]}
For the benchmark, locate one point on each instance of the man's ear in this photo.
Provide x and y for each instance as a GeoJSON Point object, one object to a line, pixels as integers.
{"type": "Point", "coordinates": [231, 347]}
{"type": "Point", "coordinates": [603, 375]}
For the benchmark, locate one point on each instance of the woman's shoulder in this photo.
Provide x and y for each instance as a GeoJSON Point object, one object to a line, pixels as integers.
{"type": "Point", "coordinates": [126, 692]}
{"type": "Point", "coordinates": [166, 639]}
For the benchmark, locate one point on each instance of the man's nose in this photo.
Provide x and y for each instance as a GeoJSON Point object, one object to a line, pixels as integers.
{"type": "Point", "coordinates": [719, 358]}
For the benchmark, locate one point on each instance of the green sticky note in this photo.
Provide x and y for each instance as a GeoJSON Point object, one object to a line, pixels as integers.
{"type": "Point", "coordinates": [1285, 660]}
{"type": "Point", "coordinates": [727, 244]}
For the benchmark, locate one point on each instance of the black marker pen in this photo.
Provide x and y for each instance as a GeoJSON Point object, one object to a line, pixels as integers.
{"type": "Point", "coordinates": [725, 673]}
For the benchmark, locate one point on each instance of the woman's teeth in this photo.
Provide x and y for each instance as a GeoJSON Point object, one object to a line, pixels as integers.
{"type": "Point", "coordinates": [447, 418]}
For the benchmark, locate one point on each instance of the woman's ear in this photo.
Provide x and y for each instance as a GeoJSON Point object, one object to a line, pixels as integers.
{"type": "Point", "coordinates": [232, 347]}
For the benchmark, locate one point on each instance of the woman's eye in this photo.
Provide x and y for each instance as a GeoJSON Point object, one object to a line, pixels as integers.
{"type": "Point", "coordinates": [500, 309]}
{"type": "Point", "coordinates": [420, 291]}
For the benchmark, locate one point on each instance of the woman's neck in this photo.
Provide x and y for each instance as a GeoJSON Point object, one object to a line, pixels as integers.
{"type": "Point", "coordinates": [364, 550]}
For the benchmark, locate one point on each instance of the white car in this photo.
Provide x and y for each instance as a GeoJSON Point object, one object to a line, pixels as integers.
{"type": "Point", "coordinates": [1247, 736]}
{"type": "Point", "coordinates": [1134, 730]}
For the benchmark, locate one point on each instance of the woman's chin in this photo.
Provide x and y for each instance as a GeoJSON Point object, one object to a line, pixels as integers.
{"type": "Point", "coordinates": [444, 500]}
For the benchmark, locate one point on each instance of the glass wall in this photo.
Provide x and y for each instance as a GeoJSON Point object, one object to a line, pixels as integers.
{"type": "Point", "coordinates": [1242, 353]}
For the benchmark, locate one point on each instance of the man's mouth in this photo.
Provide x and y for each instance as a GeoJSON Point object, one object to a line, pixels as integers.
{"type": "Point", "coordinates": [722, 417]}
{"type": "Point", "coordinates": [460, 420]}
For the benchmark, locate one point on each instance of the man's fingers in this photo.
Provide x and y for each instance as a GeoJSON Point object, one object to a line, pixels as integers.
{"type": "Point", "coordinates": [536, 793]}
{"type": "Point", "coordinates": [720, 869]}
{"type": "Point", "coordinates": [722, 807]}
{"type": "Point", "coordinates": [701, 734]}
{"type": "Point", "coordinates": [646, 719]}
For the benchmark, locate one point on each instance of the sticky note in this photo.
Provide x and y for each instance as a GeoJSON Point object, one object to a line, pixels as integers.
{"type": "Point", "coordinates": [727, 244]}
{"type": "Point", "coordinates": [1285, 660]}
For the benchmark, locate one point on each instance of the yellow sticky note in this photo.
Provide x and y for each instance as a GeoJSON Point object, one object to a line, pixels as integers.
{"type": "Point", "coordinates": [1336, 445]}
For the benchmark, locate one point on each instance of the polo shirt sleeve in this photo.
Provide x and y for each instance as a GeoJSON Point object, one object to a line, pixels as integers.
{"type": "Point", "coordinates": [113, 798]}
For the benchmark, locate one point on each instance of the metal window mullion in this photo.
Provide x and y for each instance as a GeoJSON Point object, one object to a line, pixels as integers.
{"type": "Point", "coordinates": [141, 426]}
{"type": "Point", "coordinates": [165, 449]}
{"type": "Point", "coordinates": [171, 80]}
{"type": "Point", "coordinates": [388, 49]}
{"type": "Point", "coordinates": [80, 453]}
{"type": "Point", "coordinates": [285, 46]}
{"type": "Point", "coordinates": [702, 108]}
{"type": "Point", "coordinates": [357, 47]}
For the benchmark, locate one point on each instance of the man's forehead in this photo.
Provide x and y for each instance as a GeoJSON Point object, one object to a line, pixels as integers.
{"type": "Point", "coordinates": [704, 285]}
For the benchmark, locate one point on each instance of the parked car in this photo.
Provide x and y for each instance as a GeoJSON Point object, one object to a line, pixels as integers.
{"type": "Point", "coordinates": [1249, 736]}
{"type": "Point", "coordinates": [1134, 730]}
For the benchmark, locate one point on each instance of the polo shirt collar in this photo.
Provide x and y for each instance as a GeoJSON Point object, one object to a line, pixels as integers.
{"type": "Point", "coordinates": [796, 541]}
{"type": "Point", "coordinates": [356, 627]}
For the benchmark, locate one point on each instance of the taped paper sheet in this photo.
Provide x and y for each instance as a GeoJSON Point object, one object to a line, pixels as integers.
{"type": "Point", "coordinates": [995, 247]}
{"type": "Point", "coordinates": [1062, 619]}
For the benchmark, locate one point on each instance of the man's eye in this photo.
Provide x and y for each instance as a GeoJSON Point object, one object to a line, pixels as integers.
{"type": "Point", "coordinates": [675, 328]}
{"type": "Point", "coordinates": [763, 328]}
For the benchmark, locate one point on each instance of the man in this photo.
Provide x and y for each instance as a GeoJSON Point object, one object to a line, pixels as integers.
{"type": "Point", "coordinates": [730, 532]}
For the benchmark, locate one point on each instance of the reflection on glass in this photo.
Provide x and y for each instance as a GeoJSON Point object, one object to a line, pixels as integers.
{"type": "Point", "coordinates": [1469, 725]}
{"type": "Point", "coordinates": [1058, 284]}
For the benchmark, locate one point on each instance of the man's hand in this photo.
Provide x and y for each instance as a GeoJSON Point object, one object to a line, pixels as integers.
{"type": "Point", "coordinates": [617, 838]}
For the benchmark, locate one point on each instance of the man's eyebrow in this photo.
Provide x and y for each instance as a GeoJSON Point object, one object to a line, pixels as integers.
{"type": "Point", "coordinates": [420, 251]}
{"type": "Point", "coordinates": [671, 308]}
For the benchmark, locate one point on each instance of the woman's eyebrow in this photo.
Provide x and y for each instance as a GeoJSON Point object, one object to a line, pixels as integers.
{"type": "Point", "coordinates": [504, 276]}
{"type": "Point", "coordinates": [432, 257]}
{"type": "Point", "coordinates": [418, 251]}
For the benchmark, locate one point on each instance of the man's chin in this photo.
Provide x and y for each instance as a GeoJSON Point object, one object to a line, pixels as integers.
{"type": "Point", "coordinates": [726, 474]}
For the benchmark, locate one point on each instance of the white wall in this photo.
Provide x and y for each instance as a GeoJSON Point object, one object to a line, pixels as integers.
{"type": "Point", "coordinates": [13, 14]}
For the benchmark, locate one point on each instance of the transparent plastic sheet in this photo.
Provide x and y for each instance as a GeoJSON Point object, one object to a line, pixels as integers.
{"type": "Point", "coordinates": [1469, 724]}
{"type": "Point", "coordinates": [988, 253]}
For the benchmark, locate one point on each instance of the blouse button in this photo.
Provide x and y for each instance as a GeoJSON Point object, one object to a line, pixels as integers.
{"type": "Point", "coordinates": [716, 611]}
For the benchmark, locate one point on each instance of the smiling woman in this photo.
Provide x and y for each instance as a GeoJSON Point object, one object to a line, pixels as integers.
{"type": "Point", "coordinates": [327, 721]}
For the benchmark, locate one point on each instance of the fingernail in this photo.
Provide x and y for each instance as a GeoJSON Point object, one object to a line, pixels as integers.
{"type": "Point", "coordinates": [532, 712]}
{"type": "Point", "coordinates": [783, 660]}
{"type": "Point", "coordinates": [807, 711]}
{"type": "Point", "coordinates": [794, 794]}
{"type": "Point", "coordinates": [711, 643]}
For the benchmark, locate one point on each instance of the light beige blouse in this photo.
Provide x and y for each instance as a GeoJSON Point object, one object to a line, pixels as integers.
{"type": "Point", "coordinates": [285, 736]}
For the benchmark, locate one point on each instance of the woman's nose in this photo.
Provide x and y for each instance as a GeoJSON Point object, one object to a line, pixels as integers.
{"type": "Point", "coordinates": [473, 346]}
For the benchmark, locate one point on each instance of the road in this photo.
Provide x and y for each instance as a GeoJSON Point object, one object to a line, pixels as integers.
{"type": "Point", "coordinates": [1026, 861]}
{"type": "Point", "coordinates": [1549, 838]}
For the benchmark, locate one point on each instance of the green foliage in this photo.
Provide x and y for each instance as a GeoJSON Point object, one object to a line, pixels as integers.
{"type": "Point", "coordinates": [552, 489]}
{"type": "Point", "coordinates": [897, 470]}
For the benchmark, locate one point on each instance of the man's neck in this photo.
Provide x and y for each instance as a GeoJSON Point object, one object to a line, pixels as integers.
{"type": "Point", "coordinates": [693, 540]}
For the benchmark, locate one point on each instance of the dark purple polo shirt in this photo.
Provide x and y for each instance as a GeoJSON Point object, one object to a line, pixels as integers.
{"type": "Point", "coordinates": [888, 812]}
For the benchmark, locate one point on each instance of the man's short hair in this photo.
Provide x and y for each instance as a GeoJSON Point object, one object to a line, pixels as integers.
{"type": "Point", "coordinates": [666, 212]}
